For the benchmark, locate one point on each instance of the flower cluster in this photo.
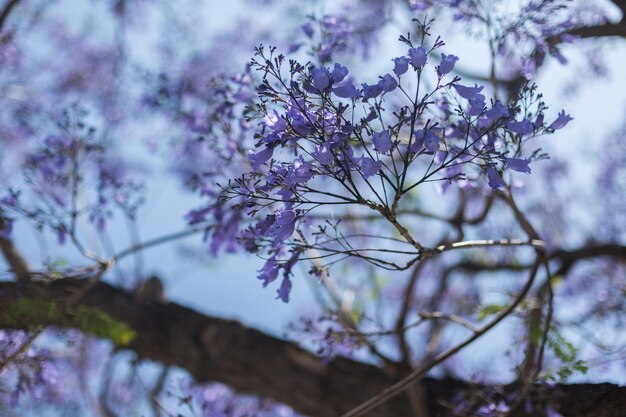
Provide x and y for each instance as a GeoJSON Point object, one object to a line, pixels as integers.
{"type": "Point", "coordinates": [316, 147]}
{"type": "Point", "coordinates": [58, 168]}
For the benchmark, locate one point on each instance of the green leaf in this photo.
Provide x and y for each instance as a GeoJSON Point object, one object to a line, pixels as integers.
{"type": "Point", "coordinates": [33, 313]}
{"type": "Point", "coordinates": [490, 310]}
{"type": "Point", "coordinates": [98, 323]}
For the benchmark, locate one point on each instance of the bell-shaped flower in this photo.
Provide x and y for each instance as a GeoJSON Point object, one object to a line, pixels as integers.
{"type": "Point", "coordinates": [368, 166]}
{"type": "Point", "coordinates": [371, 91]}
{"type": "Point", "coordinates": [400, 65]}
{"type": "Point", "coordinates": [468, 92]}
{"type": "Point", "coordinates": [338, 73]}
{"type": "Point", "coordinates": [524, 127]}
{"type": "Point", "coordinates": [476, 105]}
{"type": "Point", "coordinates": [269, 272]}
{"type": "Point", "coordinates": [561, 121]}
{"type": "Point", "coordinates": [284, 290]}
{"type": "Point", "coordinates": [388, 83]}
{"type": "Point", "coordinates": [323, 154]}
{"type": "Point", "coordinates": [418, 57]}
{"type": "Point", "coordinates": [519, 165]}
{"type": "Point", "coordinates": [495, 181]}
{"type": "Point", "coordinates": [261, 157]}
{"type": "Point", "coordinates": [346, 89]}
{"type": "Point", "coordinates": [447, 64]}
{"type": "Point", "coordinates": [382, 141]}
{"type": "Point", "coordinates": [320, 78]}
{"type": "Point", "coordinates": [497, 112]}
{"type": "Point", "coordinates": [284, 225]}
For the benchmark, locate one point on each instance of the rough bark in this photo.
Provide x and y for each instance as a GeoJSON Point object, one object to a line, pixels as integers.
{"type": "Point", "coordinates": [214, 349]}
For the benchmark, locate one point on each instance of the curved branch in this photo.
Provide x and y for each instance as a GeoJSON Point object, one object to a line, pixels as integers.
{"type": "Point", "coordinates": [214, 349]}
{"type": "Point", "coordinates": [6, 10]}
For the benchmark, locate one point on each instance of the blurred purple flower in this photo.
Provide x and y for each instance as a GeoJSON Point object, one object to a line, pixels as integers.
{"type": "Point", "coordinates": [371, 91]}
{"type": "Point", "coordinates": [323, 154]}
{"type": "Point", "coordinates": [321, 78]}
{"type": "Point", "coordinates": [561, 120]}
{"type": "Point", "coordinates": [497, 112]}
{"type": "Point", "coordinates": [346, 89]}
{"type": "Point", "coordinates": [269, 272]}
{"type": "Point", "coordinates": [524, 127]}
{"type": "Point", "coordinates": [495, 181]}
{"type": "Point", "coordinates": [338, 74]}
{"type": "Point", "coordinates": [400, 65]}
{"type": "Point", "coordinates": [418, 57]}
{"type": "Point", "coordinates": [284, 225]}
{"type": "Point", "coordinates": [388, 83]}
{"type": "Point", "coordinates": [284, 290]}
{"type": "Point", "coordinates": [382, 141]}
{"type": "Point", "coordinates": [261, 157]}
{"type": "Point", "coordinates": [519, 165]}
{"type": "Point", "coordinates": [447, 64]}
{"type": "Point", "coordinates": [468, 92]}
{"type": "Point", "coordinates": [477, 105]}
{"type": "Point", "coordinates": [368, 166]}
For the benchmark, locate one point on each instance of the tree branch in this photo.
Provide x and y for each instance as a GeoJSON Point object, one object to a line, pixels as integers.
{"type": "Point", "coordinates": [214, 349]}
{"type": "Point", "coordinates": [6, 10]}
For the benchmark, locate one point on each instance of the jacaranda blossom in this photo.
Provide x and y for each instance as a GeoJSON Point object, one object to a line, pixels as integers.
{"type": "Point", "coordinates": [495, 181]}
{"type": "Point", "coordinates": [418, 57]}
{"type": "Point", "coordinates": [382, 141]}
{"type": "Point", "coordinates": [368, 166]}
{"type": "Point", "coordinates": [447, 64]}
{"type": "Point", "coordinates": [524, 127]}
{"type": "Point", "coordinates": [400, 65]}
{"type": "Point", "coordinates": [468, 92]}
{"type": "Point", "coordinates": [561, 121]}
{"type": "Point", "coordinates": [519, 165]}
{"type": "Point", "coordinates": [388, 83]}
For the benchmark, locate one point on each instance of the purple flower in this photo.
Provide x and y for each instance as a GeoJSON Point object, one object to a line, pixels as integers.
{"type": "Point", "coordinates": [388, 83]}
{"type": "Point", "coordinates": [561, 121]}
{"type": "Point", "coordinates": [400, 65]}
{"type": "Point", "coordinates": [259, 158]}
{"type": "Point", "coordinates": [301, 126]}
{"type": "Point", "coordinates": [346, 90]}
{"type": "Point", "coordinates": [275, 122]}
{"type": "Point", "coordinates": [269, 272]}
{"type": "Point", "coordinates": [495, 181]}
{"type": "Point", "coordinates": [519, 165]}
{"type": "Point", "coordinates": [371, 91]}
{"type": "Point", "coordinates": [525, 127]}
{"type": "Point", "coordinates": [308, 30]}
{"type": "Point", "coordinates": [382, 141]}
{"type": "Point", "coordinates": [368, 166]}
{"type": "Point", "coordinates": [431, 142]}
{"type": "Point", "coordinates": [284, 290]}
{"type": "Point", "coordinates": [468, 92]}
{"type": "Point", "coordinates": [284, 225]}
{"type": "Point", "coordinates": [477, 105]}
{"type": "Point", "coordinates": [321, 78]}
{"type": "Point", "coordinates": [197, 216]}
{"type": "Point", "coordinates": [338, 74]}
{"type": "Point", "coordinates": [427, 139]}
{"type": "Point", "coordinates": [299, 172]}
{"type": "Point", "coordinates": [418, 57]}
{"type": "Point", "coordinates": [447, 64]}
{"type": "Point", "coordinates": [497, 112]}
{"type": "Point", "coordinates": [418, 141]}
{"type": "Point", "coordinates": [323, 154]}
{"type": "Point", "coordinates": [528, 69]}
